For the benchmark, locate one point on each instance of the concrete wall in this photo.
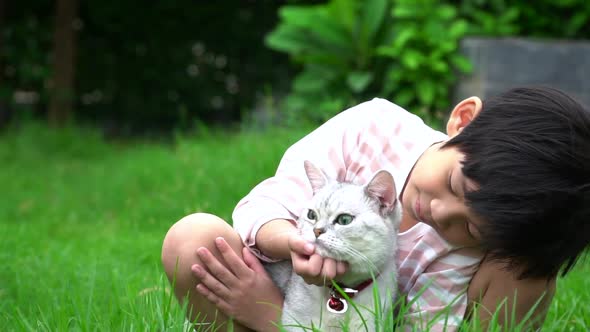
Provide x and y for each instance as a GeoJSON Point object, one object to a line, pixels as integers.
{"type": "Point", "coordinates": [508, 62]}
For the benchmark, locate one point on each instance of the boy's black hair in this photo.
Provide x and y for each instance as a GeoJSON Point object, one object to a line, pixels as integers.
{"type": "Point", "coordinates": [529, 152]}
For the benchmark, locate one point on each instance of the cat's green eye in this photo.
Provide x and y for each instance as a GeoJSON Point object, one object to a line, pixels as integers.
{"type": "Point", "coordinates": [311, 215]}
{"type": "Point", "coordinates": [344, 219]}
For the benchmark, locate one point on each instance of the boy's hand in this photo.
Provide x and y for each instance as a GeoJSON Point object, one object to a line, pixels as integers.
{"type": "Point", "coordinates": [240, 288]}
{"type": "Point", "coordinates": [313, 268]}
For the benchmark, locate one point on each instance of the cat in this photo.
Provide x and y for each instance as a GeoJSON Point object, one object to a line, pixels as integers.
{"type": "Point", "coordinates": [348, 222]}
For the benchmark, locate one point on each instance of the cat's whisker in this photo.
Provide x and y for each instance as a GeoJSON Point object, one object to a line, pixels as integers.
{"type": "Point", "coordinates": [355, 253]}
{"type": "Point", "coordinates": [346, 251]}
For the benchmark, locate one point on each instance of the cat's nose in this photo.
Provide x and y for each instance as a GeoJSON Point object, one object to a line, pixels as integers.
{"type": "Point", "coordinates": [318, 232]}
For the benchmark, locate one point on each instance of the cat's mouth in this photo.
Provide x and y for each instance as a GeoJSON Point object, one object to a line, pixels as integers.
{"type": "Point", "coordinates": [322, 250]}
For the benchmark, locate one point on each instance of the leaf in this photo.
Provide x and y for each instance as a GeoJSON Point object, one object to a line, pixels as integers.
{"type": "Point", "coordinates": [316, 28]}
{"type": "Point", "coordinates": [311, 28]}
{"type": "Point", "coordinates": [435, 31]}
{"type": "Point", "coordinates": [387, 51]}
{"type": "Point", "coordinates": [447, 46]}
{"type": "Point", "coordinates": [404, 36]}
{"type": "Point", "coordinates": [344, 11]}
{"type": "Point", "coordinates": [458, 29]}
{"type": "Point", "coordinates": [404, 97]}
{"type": "Point", "coordinates": [310, 80]}
{"type": "Point", "coordinates": [295, 102]}
{"type": "Point", "coordinates": [286, 39]}
{"type": "Point", "coordinates": [412, 59]}
{"type": "Point", "coordinates": [462, 63]}
{"type": "Point", "coordinates": [299, 16]}
{"type": "Point", "coordinates": [403, 11]}
{"type": "Point", "coordinates": [439, 66]}
{"type": "Point", "coordinates": [510, 15]}
{"type": "Point", "coordinates": [576, 23]}
{"type": "Point", "coordinates": [395, 74]}
{"type": "Point", "coordinates": [446, 12]}
{"type": "Point", "coordinates": [426, 91]}
{"type": "Point", "coordinates": [328, 107]}
{"type": "Point", "coordinates": [373, 15]}
{"type": "Point", "coordinates": [332, 30]}
{"type": "Point", "coordinates": [358, 81]}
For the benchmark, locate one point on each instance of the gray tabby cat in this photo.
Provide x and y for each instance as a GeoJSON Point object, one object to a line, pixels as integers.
{"type": "Point", "coordinates": [352, 223]}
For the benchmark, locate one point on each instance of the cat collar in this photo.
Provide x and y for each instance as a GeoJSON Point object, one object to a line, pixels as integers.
{"type": "Point", "coordinates": [337, 303]}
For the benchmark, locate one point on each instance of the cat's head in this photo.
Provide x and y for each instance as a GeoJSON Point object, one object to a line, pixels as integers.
{"type": "Point", "coordinates": [353, 223]}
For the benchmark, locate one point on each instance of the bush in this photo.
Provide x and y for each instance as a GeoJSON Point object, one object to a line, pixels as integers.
{"type": "Point", "coordinates": [146, 67]}
{"type": "Point", "coordinates": [542, 18]}
{"type": "Point", "coordinates": [170, 64]}
{"type": "Point", "coordinates": [423, 56]}
{"type": "Point", "coordinates": [335, 43]}
{"type": "Point", "coordinates": [350, 52]}
{"type": "Point", "coordinates": [403, 50]}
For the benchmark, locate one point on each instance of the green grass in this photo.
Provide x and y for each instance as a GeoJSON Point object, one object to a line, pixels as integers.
{"type": "Point", "coordinates": [81, 225]}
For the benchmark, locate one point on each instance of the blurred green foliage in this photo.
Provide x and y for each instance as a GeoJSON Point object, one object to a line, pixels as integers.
{"type": "Point", "coordinates": [336, 45]}
{"type": "Point", "coordinates": [423, 56]}
{"type": "Point", "coordinates": [145, 66]}
{"type": "Point", "coordinates": [408, 54]}
{"type": "Point", "coordinates": [566, 19]}
{"type": "Point", "coordinates": [169, 64]}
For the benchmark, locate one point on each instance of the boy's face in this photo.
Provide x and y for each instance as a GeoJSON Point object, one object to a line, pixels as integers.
{"type": "Point", "coordinates": [435, 194]}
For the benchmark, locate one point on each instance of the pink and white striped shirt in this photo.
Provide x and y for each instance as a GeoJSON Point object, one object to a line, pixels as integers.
{"type": "Point", "coordinates": [351, 147]}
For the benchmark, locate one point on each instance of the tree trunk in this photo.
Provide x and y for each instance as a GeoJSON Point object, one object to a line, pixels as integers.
{"type": "Point", "coordinates": [61, 86]}
{"type": "Point", "coordinates": [4, 98]}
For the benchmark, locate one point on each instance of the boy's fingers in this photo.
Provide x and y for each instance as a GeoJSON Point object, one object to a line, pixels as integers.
{"type": "Point", "coordinates": [315, 265]}
{"type": "Point", "coordinates": [252, 261]}
{"type": "Point", "coordinates": [235, 263]}
{"type": "Point", "coordinates": [306, 266]}
{"type": "Point", "coordinates": [301, 246]}
{"type": "Point", "coordinates": [329, 269]}
{"type": "Point", "coordinates": [212, 284]}
{"type": "Point", "coordinates": [299, 262]}
{"type": "Point", "coordinates": [216, 269]}
{"type": "Point", "coordinates": [341, 267]}
{"type": "Point", "coordinates": [212, 297]}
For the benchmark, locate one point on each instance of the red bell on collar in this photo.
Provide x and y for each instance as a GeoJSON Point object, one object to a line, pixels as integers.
{"type": "Point", "coordinates": [337, 304]}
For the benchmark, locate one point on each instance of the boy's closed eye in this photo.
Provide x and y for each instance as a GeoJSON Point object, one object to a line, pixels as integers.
{"type": "Point", "coordinates": [450, 183]}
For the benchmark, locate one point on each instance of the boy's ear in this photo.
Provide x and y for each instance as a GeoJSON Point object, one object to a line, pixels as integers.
{"type": "Point", "coordinates": [462, 114]}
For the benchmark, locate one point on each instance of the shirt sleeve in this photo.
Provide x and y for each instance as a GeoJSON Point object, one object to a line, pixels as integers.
{"type": "Point", "coordinates": [438, 299]}
{"type": "Point", "coordinates": [330, 147]}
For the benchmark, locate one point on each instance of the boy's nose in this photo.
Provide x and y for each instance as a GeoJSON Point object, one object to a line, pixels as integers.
{"type": "Point", "coordinates": [318, 231]}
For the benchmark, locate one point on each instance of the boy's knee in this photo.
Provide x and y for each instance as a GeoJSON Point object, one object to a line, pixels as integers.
{"type": "Point", "coordinates": [189, 233]}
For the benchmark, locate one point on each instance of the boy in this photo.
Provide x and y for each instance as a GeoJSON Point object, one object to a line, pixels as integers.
{"type": "Point", "coordinates": [498, 208]}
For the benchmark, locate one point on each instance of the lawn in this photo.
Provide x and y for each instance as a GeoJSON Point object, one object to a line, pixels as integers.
{"type": "Point", "coordinates": [82, 220]}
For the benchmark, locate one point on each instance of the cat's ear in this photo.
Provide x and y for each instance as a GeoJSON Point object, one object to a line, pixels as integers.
{"type": "Point", "coordinates": [316, 176]}
{"type": "Point", "coordinates": [382, 188]}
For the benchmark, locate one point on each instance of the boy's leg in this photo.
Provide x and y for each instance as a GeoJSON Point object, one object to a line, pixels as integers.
{"type": "Point", "coordinates": [179, 253]}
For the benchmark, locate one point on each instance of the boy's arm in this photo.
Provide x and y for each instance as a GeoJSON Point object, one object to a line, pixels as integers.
{"type": "Point", "coordinates": [496, 289]}
{"type": "Point", "coordinates": [273, 238]}
{"type": "Point", "coordinates": [282, 197]}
